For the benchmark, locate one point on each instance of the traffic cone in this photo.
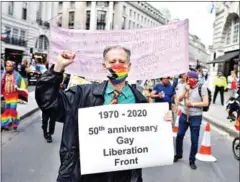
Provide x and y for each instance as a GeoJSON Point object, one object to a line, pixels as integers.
{"type": "Point", "coordinates": [176, 124]}
{"type": "Point", "coordinates": [205, 152]}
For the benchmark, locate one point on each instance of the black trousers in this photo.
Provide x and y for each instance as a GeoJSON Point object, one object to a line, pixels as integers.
{"type": "Point", "coordinates": [221, 90]}
{"type": "Point", "coordinates": [48, 124]}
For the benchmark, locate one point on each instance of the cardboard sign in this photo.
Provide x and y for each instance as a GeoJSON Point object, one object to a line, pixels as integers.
{"type": "Point", "coordinates": [124, 136]}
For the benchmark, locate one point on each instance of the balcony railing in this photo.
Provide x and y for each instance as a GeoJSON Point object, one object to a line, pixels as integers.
{"type": "Point", "coordinates": [44, 24]}
{"type": "Point", "coordinates": [15, 41]}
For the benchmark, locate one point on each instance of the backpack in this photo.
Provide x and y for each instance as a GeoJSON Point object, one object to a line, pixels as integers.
{"type": "Point", "coordinates": [205, 109]}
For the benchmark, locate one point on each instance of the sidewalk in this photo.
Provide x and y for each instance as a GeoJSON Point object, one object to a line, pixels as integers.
{"type": "Point", "coordinates": [25, 110]}
{"type": "Point", "coordinates": [217, 116]}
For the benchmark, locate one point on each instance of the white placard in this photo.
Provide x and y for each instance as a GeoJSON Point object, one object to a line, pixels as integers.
{"type": "Point", "coordinates": [124, 136]}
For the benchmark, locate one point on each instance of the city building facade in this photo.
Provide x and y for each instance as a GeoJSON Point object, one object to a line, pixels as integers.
{"type": "Point", "coordinates": [108, 15]}
{"type": "Point", "coordinates": [225, 48]}
{"type": "Point", "coordinates": [198, 53]}
{"type": "Point", "coordinates": [28, 25]}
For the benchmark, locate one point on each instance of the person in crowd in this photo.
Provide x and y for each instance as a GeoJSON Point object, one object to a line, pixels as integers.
{"type": "Point", "coordinates": [13, 87]}
{"type": "Point", "coordinates": [181, 85]}
{"type": "Point", "coordinates": [48, 124]}
{"type": "Point", "coordinates": [232, 84]}
{"type": "Point", "coordinates": [191, 116]}
{"type": "Point", "coordinates": [2, 66]}
{"type": "Point", "coordinates": [164, 92]}
{"type": "Point", "coordinates": [206, 76]}
{"type": "Point", "coordinates": [140, 86]}
{"type": "Point", "coordinates": [65, 106]}
{"type": "Point", "coordinates": [233, 105]}
{"type": "Point", "coordinates": [201, 77]}
{"type": "Point", "coordinates": [220, 84]}
{"type": "Point", "coordinates": [24, 70]}
{"type": "Point", "coordinates": [148, 86]}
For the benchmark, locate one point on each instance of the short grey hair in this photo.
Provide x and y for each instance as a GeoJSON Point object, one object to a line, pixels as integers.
{"type": "Point", "coordinates": [107, 49]}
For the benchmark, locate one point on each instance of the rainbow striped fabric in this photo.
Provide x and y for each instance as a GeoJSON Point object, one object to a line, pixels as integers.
{"type": "Point", "coordinates": [115, 96]}
{"type": "Point", "coordinates": [10, 114]}
{"type": "Point", "coordinates": [117, 73]}
{"type": "Point", "coordinates": [21, 86]}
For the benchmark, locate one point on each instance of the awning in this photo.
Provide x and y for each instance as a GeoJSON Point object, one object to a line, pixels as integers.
{"type": "Point", "coordinates": [226, 57]}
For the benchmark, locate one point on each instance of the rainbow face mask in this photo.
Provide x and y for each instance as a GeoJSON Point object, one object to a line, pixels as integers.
{"type": "Point", "coordinates": [117, 73]}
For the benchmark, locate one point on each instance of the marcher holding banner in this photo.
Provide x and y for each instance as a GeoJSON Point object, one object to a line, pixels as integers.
{"type": "Point", "coordinates": [65, 106]}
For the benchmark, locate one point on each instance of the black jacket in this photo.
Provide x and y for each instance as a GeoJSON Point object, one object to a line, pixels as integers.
{"type": "Point", "coordinates": [64, 106]}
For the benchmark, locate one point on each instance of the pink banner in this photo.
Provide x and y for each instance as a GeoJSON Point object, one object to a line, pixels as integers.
{"type": "Point", "coordinates": [155, 52]}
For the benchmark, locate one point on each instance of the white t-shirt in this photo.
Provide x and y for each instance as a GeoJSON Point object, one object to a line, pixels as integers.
{"type": "Point", "coordinates": [195, 97]}
{"type": "Point", "coordinates": [180, 89]}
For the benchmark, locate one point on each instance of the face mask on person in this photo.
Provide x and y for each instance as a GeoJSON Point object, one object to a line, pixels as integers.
{"type": "Point", "coordinates": [192, 82]}
{"type": "Point", "coordinates": [117, 73]}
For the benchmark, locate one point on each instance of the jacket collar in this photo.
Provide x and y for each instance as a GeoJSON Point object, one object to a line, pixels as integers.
{"type": "Point", "coordinates": [100, 89]}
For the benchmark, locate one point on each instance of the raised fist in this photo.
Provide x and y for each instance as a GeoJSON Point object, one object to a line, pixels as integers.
{"type": "Point", "coordinates": [64, 59]}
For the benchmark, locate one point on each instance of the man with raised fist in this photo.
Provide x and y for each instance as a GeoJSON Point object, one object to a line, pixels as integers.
{"type": "Point", "coordinates": [65, 104]}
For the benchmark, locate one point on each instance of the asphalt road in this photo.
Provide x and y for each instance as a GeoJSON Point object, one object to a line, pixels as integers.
{"type": "Point", "coordinates": [26, 157]}
{"type": "Point", "coordinates": [31, 88]}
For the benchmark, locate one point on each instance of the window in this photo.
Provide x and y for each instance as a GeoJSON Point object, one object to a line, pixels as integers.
{"type": "Point", "coordinates": [15, 33]}
{"type": "Point", "coordinates": [138, 17]}
{"type": "Point", "coordinates": [129, 24]}
{"type": "Point", "coordinates": [112, 22]}
{"type": "Point", "coordinates": [88, 14]}
{"type": "Point", "coordinates": [134, 15]}
{"type": "Point", "coordinates": [102, 3]}
{"type": "Point", "coordinates": [123, 22]}
{"type": "Point", "coordinates": [101, 20]}
{"type": "Point", "coordinates": [72, 4]}
{"type": "Point", "coordinates": [59, 22]}
{"type": "Point", "coordinates": [133, 24]}
{"type": "Point", "coordinates": [228, 35]}
{"type": "Point", "coordinates": [71, 20]}
{"type": "Point", "coordinates": [124, 10]}
{"type": "Point", "coordinates": [145, 20]}
{"type": "Point", "coordinates": [10, 8]}
{"type": "Point", "coordinates": [42, 43]}
{"type": "Point", "coordinates": [142, 19]}
{"type": "Point", "coordinates": [236, 32]}
{"type": "Point", "coordinates": [7, 29]}
{"type": "Point", "coordinates": [22, 35]}
{"type": "Point", "coordinates": [130, 13]}
{"type": "Point", "coordinates": [38, 17]}
{"type": "Point", "coordinates": [88, 3]}
{"type": "Point", "coordinates": [60, 5]}
{"type": "Point", "coordinates": [24, 11]}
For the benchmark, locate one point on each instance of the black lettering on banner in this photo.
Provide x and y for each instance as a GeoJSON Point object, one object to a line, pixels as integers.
{"type": "Point", "coordinates": [137, 113]}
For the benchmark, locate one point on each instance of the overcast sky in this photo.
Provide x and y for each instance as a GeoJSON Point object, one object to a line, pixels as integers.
{"type": "Point", "coordinates": [198, 13]}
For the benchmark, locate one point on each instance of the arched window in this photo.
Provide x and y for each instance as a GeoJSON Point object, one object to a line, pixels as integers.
{"type": "Point", "coordinates": [228, 35]}
{"type": "Point", "coordinates": [236, 30]}
{"type": "Point", "coordinates": [42, 43]}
